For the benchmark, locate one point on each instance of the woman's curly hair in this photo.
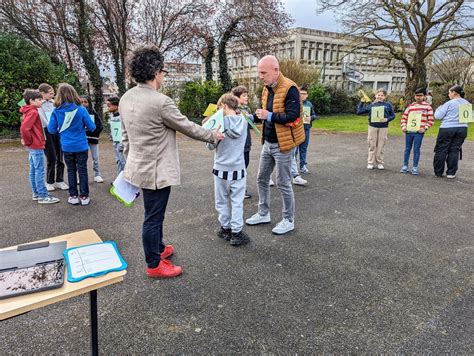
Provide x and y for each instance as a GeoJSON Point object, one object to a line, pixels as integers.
{"type": "Point", "coordinates": [144, 63]}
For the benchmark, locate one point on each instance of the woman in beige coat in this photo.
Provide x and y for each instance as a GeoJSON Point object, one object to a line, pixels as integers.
{"type": "Point", "coordinates": [150, 121]}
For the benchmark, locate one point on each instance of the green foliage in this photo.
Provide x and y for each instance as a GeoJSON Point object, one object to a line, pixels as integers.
{"type": "Point", "coordinates": [195, 97]}
{"type": "Point", "coordinates": [22, 66]}
{"type": "Point", "coordinates": [318, 94]}
{"type": "Point", "coordinates": [341, 101]}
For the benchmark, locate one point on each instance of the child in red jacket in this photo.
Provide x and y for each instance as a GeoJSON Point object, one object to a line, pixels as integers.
{"type": "Point", "coordinates": [32, 136]}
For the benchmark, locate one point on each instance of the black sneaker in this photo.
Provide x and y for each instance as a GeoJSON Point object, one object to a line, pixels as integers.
{"type": "Point", "coordinates": [225, 234]}
{"type": "Point", "coordinates": [239, 238]}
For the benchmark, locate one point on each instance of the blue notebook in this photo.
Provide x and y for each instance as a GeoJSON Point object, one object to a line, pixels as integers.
{"type": "Point", "coordinates": [93, 260]}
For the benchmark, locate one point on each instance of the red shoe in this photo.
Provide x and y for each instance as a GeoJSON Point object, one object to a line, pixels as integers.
{"type": "Point", "coordinates": [165, 269]}
{"type": "Point", "coordinates": [167, 252]}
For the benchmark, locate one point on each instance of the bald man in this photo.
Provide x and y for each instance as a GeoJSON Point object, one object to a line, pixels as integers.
{"type": "Point", "coordinates": [282, 132]}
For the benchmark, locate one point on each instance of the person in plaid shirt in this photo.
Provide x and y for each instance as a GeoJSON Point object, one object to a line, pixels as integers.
{"type": "Point", "coordinates": [416, 120]}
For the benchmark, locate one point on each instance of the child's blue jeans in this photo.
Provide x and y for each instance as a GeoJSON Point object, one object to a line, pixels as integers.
{"type": "Point", "coordinates": [303, 148]}
{"type": "Point", "coordinates": [36, 159]}
{"type": "Point", "coordinates": [412, 139]}
{"type": "Point", "coordinates": [76, 163]}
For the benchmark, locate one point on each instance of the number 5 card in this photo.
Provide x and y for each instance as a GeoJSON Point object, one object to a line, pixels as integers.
{"type": "Point", "coordinates": [414, 121]}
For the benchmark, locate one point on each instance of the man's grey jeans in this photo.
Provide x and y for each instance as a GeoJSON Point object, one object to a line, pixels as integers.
{"type": "Point", "coordinates": [269, 158]}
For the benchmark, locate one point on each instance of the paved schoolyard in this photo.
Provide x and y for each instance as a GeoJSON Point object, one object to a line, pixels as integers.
{"type": "Point", "coordinates": [379, 262]}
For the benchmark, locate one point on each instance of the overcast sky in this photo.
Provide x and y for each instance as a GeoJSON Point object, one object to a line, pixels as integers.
{"type": "Point", "coordinates": [304, 13]}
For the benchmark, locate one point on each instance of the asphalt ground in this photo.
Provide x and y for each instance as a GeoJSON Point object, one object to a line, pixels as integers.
{"type": "Point", "coordinates": [379, 261]}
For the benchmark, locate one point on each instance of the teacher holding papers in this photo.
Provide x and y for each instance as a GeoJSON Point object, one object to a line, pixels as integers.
{"type": "Point", "coordinates": [380, 114]}
{"type": "Point", "coordinates": [149, 122]}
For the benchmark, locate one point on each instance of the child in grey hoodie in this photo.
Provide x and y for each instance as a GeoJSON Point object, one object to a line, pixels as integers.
{"type": "Point", "coordinates": [229, 173]}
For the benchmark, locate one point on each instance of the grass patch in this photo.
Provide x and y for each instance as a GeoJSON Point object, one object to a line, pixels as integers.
{"type": "Point", "coordinates": [359, 123]}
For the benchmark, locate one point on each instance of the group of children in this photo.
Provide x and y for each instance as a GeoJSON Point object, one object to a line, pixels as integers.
{"type": "Point", "coordinates": [66, 127]}
{"type": "Point", "coordinates": [417, 118]}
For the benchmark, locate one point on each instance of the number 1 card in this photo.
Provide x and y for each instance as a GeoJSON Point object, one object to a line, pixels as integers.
{"type": "Point", "coordinates": [377, 113]}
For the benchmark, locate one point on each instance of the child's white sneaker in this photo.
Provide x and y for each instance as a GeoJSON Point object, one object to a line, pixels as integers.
{"type": "Point", "coordinates": [35, 197]}
{"type": "Point", "coordinates": [272, 183]}
{"type": "Point", "coordinates": [50, 187]}
{"type": "Point", "coordinates": [48, 200]}
{"type": "Point", "coordinates": [305, 170]}
{"type": "Point", "coordinates": [380, 167]}
{"type": "Point", "coordinates": [85, 200]}
{"type": "Point", "coordinates": [61, 185]}
{"type": "Point", "coordinates": [74, 200]}
{"type": "Point", "coordinates": [98, 179]}
{"type": "Point", "coordinates": [370, 166]}
{"type": "Point", "coordinates": [299, 181]}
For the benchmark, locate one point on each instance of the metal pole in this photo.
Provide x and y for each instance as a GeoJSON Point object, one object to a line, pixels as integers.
{"type": "Point", "coordinates": [94, 324]}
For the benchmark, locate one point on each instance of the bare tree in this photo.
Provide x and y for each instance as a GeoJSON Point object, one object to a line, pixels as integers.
{"type": "Point", "coordinates": [454, 65]}
{"type": "Point", "coordinates": [256, 25]}
{"type": "Point", "coordinates": [169, 24]}
{"type": "Point", "coordinates": [114, 24]}
{"type": "Point", "coordinates": [411, 30]}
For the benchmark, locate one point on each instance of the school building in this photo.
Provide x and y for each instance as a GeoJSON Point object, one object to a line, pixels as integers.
{"type": "Point", "coordinates": [327, 51]}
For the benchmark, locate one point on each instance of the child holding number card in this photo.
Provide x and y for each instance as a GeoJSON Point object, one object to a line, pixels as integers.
{"type": "Point", "coordinates": [455, 114]}
{"type": "Point", "coordinates": [380, 114]}
{"type": "Point", "coordinates": [229, 173]}
{"type": "Point", "coordinates": [116, 131]}
{"type": "Point", "coordinates": [416, 120]}
{"type": "Point", "coordinates": [70, 119]}
{"type": "Point", "coordinates": [93, 137]}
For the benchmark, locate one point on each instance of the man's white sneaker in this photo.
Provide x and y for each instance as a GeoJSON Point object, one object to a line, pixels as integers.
{"type": "Point", "coordinates": [370, 166]}
{"type": "Point", "coordinates": [272, 183]}
{"type": "Point", "coordinates": [48, 200]}
{"type": "Point", "coordinates": [380, 166]}
{"type": "Point", "coordinates": [61, 185]}
{"type": "Point", "coordinates": [283, 227]}
{"type": "Point", "coordinates": [74, 200]}
{"type": "Point", "coordinates": [50, 187]}
{"type": "Point", "coordinates": [98, 179]}
{"type": "Point", "coordinates": [299, 181]}
{"type": "Point", "coordinates": [258, 219]}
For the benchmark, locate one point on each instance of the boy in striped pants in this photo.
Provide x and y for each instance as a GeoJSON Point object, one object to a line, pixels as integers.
{"type": "Point", "coordinates": [229, 173]}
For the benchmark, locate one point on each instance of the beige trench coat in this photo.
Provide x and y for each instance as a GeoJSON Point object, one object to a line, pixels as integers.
{"type": "Point", "coordinates": [149, 123]}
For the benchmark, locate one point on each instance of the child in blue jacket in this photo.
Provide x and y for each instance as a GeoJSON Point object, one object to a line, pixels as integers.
{"type": "Point", "coordinates": [378, 127]}
{"type": "Point", "coordinates": [70, 119]}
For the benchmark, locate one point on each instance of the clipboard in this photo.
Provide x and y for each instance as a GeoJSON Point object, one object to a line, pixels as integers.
{"type": "Point", "coordinates": [31, 268]}
{"type": "Point", "coordinates": [93, 260]}
{"type": "Point", "coordinates": [125, 192]}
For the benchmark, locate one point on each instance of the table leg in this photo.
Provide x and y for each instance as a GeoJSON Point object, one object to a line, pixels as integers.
{"type": "Point", "coordinates": [94, 324]}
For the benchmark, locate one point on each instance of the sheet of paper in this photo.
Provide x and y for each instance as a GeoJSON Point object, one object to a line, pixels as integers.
{"type": "Point", "coordinates": [116, 131]}
{"type": "Point", "coordinates": [124, 190]}
{"type": "Point", "coordinates": [465, 113]}
{"type": "Point", "coordinates": [48, 115]}
{"type": "Point", "coordinates": [68, 117]}
{"type": "Point", "coordinates": [414, 121]}
{"type": "Point", "coordinates": [377, 113]}
{"type": "Point", "coordinates": [307, 114]}
{"type": "Point", "coordinates": [215, 120]}
{"type": "Point", "coordinates": [93, 259]}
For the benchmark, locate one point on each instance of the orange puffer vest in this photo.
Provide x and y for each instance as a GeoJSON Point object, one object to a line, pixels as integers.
{"type": "Point", "coordinates": [288, 137]}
